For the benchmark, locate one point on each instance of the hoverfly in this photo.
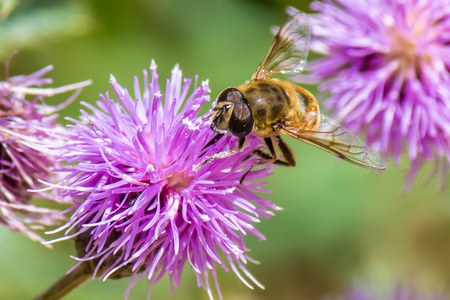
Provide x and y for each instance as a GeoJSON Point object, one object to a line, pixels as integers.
{"type": "Point", "coordinates": [265, 107]}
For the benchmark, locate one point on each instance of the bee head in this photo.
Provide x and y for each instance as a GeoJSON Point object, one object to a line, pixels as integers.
{"type": "Point", "coordinates": [231, 113]}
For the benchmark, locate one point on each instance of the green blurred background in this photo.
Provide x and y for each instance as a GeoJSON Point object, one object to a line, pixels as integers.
{"type": "Point", "coordinates": [341, 225]}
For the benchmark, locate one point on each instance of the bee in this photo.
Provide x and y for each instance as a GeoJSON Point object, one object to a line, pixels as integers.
{"type": "Point", "coordinates": [268, 107]}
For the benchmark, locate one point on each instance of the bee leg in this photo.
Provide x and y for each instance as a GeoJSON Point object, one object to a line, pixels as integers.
{"type": "Point", "coordinates": [287, 153]}
{"type": "Point", "coordinates": [211, 142]}
{"type": "Point", "coordinates": [222, 154]}
{"type": "Point", "coordinates": [272, 158]}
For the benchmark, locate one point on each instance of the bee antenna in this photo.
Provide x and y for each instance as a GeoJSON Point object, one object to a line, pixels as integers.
{"type": "Point", "coordinates": [207, 116]}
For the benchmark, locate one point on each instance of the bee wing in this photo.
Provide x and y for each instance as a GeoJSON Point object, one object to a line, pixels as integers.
{"type": "Point", "coordinates": [326, 134]}
{"type": "Point", "coordinates": [288, 51]}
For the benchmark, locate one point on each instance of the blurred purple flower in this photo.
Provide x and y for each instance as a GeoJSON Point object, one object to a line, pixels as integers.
{"type": "Point", "coordinates": [386, 70]}
{"type": "Point", "coordinates": [30, 139]}
{"type": "Point", "coordinates": [142, 209]}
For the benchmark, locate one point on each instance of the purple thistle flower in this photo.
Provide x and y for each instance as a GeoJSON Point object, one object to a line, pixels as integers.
{"type": "Point", "coordinates": [141, 208]}
{"type": "Point", "coordinates": [30, 139]}
{"type": "Point", "coordinates": [386, 70]}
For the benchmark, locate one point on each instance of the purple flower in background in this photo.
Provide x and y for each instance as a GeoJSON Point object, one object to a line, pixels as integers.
{"type": "Point", "coordinates": [141, 209]}
{"type": "Point", "coordinates": [30, 139]}
{"type": "Point", "coordinates": [386, 70]}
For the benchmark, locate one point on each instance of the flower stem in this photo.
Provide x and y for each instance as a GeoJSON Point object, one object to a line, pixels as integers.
{"type": "Point", "coordinates": [67, 283]}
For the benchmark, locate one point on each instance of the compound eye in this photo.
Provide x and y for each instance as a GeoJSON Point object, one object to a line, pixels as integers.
{"type": "Point", "coordinates": [241, 120]}
{"type": "Point", "coordinates": [230, 95]}
{"type": "Point", "coordinates": [226, 107]}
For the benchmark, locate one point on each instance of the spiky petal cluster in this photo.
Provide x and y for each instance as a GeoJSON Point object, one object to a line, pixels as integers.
{"type": "Point", "coordinates": [30, 139]}
{"type": "Point", "coordinates": [386, 68]}
{"type": "Point", "coordinates": [142, 209]}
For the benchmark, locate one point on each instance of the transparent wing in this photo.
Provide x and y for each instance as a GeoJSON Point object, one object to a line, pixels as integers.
{"type": "Point", "coordinates": [326, 134]}
{"type": "Point", "coordinates": [288, 51]}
